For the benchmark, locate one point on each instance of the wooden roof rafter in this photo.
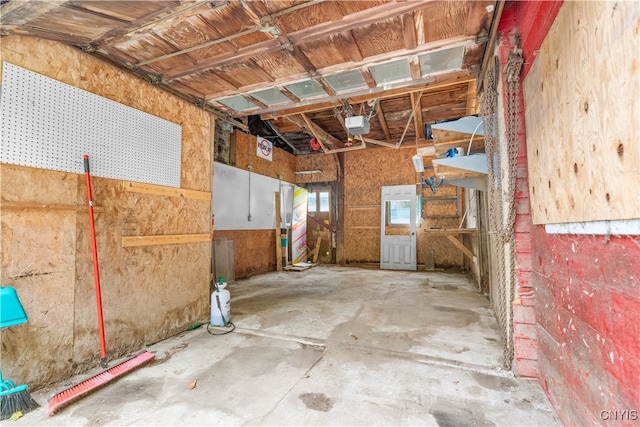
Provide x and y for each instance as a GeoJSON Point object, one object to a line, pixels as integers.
{"type": "Point", "coordinates": [415, 102]}
{"type": "Point", "coordinates": [416, 99]}
{"type": "Point", "coordinates": [298, 38]}
{"type": "Point", "coordinates": [348, 45]}
{"type": "Point", "coordinates": [246, 57]}
{"type": "Point", "coordinates": [363, 18]}
{"type": "Point", "coordinates": [409, 31]}
{"type": "Point", "coordinates": [383, 121]}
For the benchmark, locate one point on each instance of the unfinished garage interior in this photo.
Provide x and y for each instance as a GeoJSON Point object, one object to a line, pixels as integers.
{"type": "Point", "coordinates": [425, 212]}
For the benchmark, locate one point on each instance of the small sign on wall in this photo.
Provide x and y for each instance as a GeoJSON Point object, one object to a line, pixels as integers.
{"type": "Point", "coordinates": [264, 148]}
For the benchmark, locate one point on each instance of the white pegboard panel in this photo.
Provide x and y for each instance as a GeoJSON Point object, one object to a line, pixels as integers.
{"type": "Point", "coordinates": [51, 125]}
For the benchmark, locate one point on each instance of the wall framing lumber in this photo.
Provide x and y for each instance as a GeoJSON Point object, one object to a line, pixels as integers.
{"type": "Point", "coordinates": [458, 244]}
{"type": "Point", "coordinates": [160, 190]}
{"type": "Point", "coordinates": [45, 206]}
{"type": "Point", "coordinates": [166, 239]}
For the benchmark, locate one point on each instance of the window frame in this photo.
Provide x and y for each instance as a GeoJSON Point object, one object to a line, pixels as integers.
{"type": "Point", "coordinates": [317, 192]}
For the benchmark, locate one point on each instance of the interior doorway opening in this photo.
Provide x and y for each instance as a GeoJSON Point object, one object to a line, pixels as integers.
{"type": "Point", "coordinates": [321, 230]}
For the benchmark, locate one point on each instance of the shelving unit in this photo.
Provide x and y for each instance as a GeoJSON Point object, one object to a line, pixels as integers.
{"type": "Point", "coordinates": [466, 133]}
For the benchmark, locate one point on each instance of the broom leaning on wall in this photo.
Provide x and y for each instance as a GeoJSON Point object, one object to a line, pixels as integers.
{"type": "Point", "coordinates": [13, 399]}
{"type": "Point", "coordinates": [68, 395]}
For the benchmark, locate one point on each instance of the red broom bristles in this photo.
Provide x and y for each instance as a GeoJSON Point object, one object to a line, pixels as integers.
{"type": "Point", "coordinates": [64, 397]}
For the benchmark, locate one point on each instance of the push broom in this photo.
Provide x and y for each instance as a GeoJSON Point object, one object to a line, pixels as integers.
{"type": "Point", "coordinates": [68, 395]}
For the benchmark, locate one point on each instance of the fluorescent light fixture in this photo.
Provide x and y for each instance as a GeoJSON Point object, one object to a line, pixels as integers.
{"type": "Point", "coordinates": [418, 163]}
{"type": "Point", "coordinates": [307, 172]}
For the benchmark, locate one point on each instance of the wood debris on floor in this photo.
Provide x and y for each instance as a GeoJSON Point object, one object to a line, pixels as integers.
{"type": "Point", "coordinates": [300, 266]}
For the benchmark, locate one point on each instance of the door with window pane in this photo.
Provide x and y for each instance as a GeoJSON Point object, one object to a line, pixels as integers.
{"type": "Point", "coordinates": [398, 228]}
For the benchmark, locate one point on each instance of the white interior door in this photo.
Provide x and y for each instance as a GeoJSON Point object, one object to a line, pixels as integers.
{"type": "Point", "coordinates": [398, 228]}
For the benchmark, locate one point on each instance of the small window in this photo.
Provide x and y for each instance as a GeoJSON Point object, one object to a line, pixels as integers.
{"type": "Point", "coordinates": [306, 89]}
{"type": "Point", "coordinates": [324, 201]}
{"type": "Point", "coordinates": [442, 60]}
{"type": "Point", "coordinates": [270, 96]}
{"type": "Point", "coordinates": [391, 72]}
{"type": "Point", "coordinates": [318, 201]}
{"type": "Point", "coordinates": [238, 103]}
{"type": "Point", "coordinates": [398, 212]}
{"type": "Point", "coordinates": [312, 202]}
{"type": "Point", "coordinates": [349, 80]}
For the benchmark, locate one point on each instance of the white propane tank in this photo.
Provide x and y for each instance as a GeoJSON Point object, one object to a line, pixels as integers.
{"type": "Point", "coordinates": [220, 304]}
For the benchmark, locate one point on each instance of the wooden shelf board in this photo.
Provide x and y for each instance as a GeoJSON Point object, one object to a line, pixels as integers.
{"type": "Point", "coordinates": [450, 172]}
{"type": "Point", "coordinates": [443, 146]}
{"type": "Point", "coordinates": [450, 231]}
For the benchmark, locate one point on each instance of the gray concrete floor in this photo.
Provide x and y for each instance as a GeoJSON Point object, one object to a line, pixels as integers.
{"type": "Point", "coordinates": [328, 346]}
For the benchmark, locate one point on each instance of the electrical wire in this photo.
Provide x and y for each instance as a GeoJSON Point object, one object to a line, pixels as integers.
{"type": "Point", "coordinates": [221, 331]}
{"type": "Point", "coordinates": [472, 135]}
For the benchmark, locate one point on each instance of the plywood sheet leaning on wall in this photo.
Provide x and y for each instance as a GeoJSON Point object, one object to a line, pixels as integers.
{"type": "Point", "coordinates": [582, 98]}
{"type": "Point", "coordinates": [148, 292]}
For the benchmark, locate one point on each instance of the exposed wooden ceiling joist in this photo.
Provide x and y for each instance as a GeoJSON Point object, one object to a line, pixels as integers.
{"type": "Point", "coordinates": [238, 58]}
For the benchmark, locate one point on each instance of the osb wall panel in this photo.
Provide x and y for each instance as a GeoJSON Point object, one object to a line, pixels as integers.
{"type": "Point", "coordinates": [583, 158]}
{"type": "Point", "coordinates": [176, 275]}
{"type": "Point", "coordinates": [283, 163]}
{"type": "Point", "coordinates": [38, 259]}
{"type": "Point", "coordinates": [365, 172]}
{"type": "Point", "coordinates": [326, 163]}
{"type": "Point", "coordinates": [148, 292]}
{"type": "Point", "coordinates": [254, 251]}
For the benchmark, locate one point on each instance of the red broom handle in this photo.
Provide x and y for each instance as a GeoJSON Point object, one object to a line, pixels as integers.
{"type": "Point", "coordinates": [96, 271]}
